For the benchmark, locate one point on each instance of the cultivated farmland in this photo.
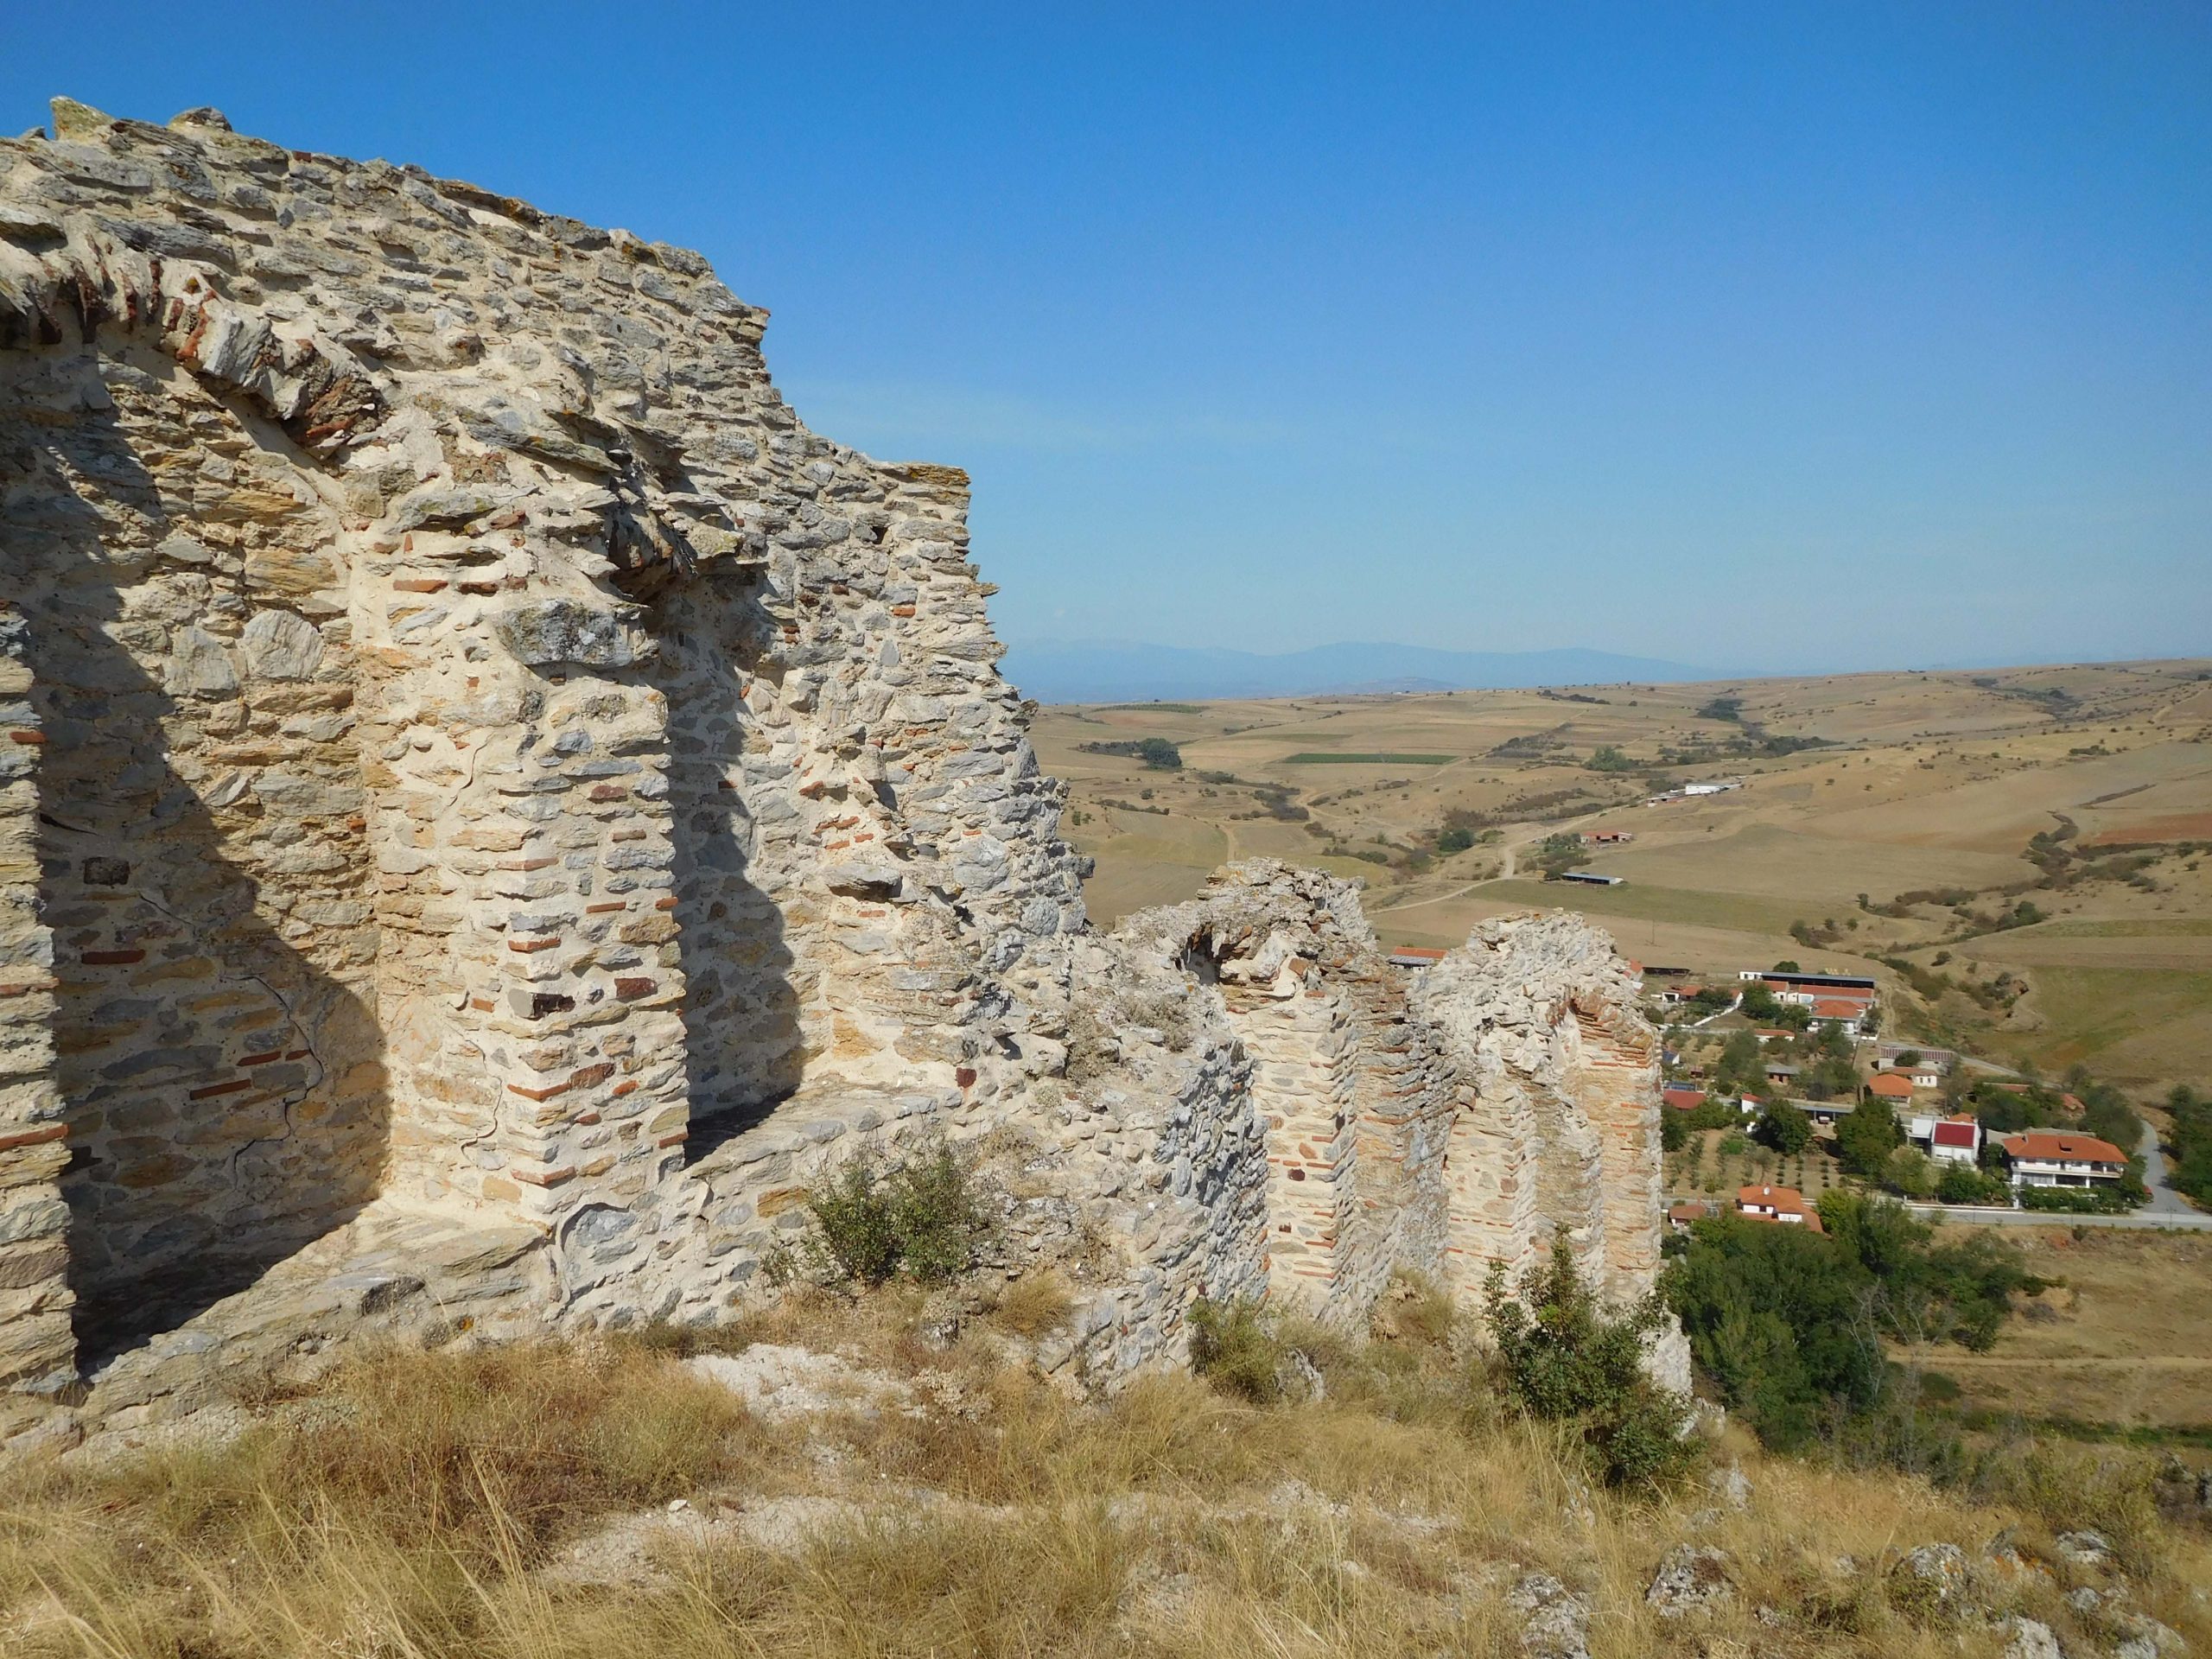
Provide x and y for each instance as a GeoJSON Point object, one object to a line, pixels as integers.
{"type": "Point", "coordinates": [1899, 817]}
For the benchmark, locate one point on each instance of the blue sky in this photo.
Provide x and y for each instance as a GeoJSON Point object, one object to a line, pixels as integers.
{"type": "Point", "coordinates": [1777, 334]}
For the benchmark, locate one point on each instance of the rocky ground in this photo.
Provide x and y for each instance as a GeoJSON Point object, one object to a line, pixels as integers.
{"type": "Point", "coordinates": [893, 1475]}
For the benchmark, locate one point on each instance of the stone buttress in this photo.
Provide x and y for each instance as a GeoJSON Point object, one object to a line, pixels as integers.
{"type": "Point", "coordinates": [491, 805]}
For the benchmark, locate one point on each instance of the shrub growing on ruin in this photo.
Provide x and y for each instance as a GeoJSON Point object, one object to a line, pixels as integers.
{"type": "Point", "coordinates": [1563, 1357]}
{"type": "Point", "coordinates": [1235, 1348]}
{"type": "Point", "coordinates": [924, 1216]}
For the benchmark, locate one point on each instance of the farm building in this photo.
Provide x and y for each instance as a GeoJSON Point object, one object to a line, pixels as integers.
{"type": "Point", "coordinates": [1415, 956]}
{"type": "Point", "coordinates": [1910, 1057]}
{"type": "Point", "coordinates": [1780, 980]}
{"type": "Point", "coordinates": [1591, 878]}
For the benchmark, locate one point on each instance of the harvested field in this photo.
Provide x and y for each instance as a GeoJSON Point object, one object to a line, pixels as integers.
{"type": "Point", "coordinates": [1926, 787]}
{"type": "Point", "coordinates": [2123, 1337]}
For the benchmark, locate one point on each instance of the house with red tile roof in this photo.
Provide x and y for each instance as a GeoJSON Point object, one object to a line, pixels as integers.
{"type": "Point", "coordinates": [1947, 1140]}
{"type": "Point", "coordinates": [1785, 1205]}
{"type": "Point", "coordinates": [2057, 1158]}
{"type": "Point", "coordinates": [1682, 1097]}
{"type": "Point", "coordinates": [1890, 1085]}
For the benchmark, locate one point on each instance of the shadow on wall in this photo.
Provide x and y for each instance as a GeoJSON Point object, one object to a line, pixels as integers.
{"type": "Point", "coordinates": [745, 1050]}
{"type": "Point", "coordinates": [225, 1098]}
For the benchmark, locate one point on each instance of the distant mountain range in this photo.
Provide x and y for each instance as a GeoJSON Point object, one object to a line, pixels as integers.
{"type": "Point", "coordinates": [1107, 671]}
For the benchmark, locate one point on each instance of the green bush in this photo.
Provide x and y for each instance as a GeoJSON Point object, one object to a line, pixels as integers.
{"type": "Point", "coordinates": [1235, 1347]}
{"type": "Point", "coordinates": [1784, 1126]}
{"type": "Point", "coordinates": [1789, 1323]}
{"type": "Point", "coordinates": [924, 1216]}
{"type": "Point", "coordinates": [2192, 1141]}
{"type": "Point", "coordinates": [1961, 1185]}
{"type": "Point", "coordinates": [1563, 1358]}
{"type": "Point", "coordinates": [1158, 753]}
{"type": "Point", "coordinates": [1866, 1136]}
{"type": "Point", "coordinates": [2075, 1200]}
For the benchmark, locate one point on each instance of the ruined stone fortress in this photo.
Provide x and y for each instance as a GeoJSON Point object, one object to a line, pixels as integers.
{"type": "Point", "coordinates": [491, 805]}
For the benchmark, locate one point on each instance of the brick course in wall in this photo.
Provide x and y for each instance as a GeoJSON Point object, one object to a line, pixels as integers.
{"type": "Point", "coordinates": [480, 778]}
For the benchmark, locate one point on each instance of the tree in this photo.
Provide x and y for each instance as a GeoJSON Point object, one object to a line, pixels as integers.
{"type": "Point", "coordinates": [1776, 1317]}
{"type": "Point", "coordinates": [1563, 1357]}
{"type": "Point", "coordinates": [1912, 1172]}
{"type": "Point", "coordinates": [1963, 1184]}
{"type": "Point", "coordinates": [2191, 1143]}
{"type": "Point", "coordinates": [1787, 965]}
{"type": "Point", "coordinates": [1739, 1068]}
{"type": "Point", "coordinates": [1784, 1126]}
{"type": "Point", "coordinates": [1758, 1002]}
{"type": "Point", "coordinates": [1867, 1135]}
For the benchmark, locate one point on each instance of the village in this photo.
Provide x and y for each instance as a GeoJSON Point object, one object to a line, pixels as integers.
{"type": "Point", "coordinates": [1779, 1086]}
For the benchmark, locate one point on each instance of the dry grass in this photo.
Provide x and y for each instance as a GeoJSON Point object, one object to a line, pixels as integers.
{"type": "Point", "coordinates": [1034, 1304]}
{"type": "Point", "coordinates": [2121, 1337]}
{"type": "Point", "coordinates": [408, 1511]}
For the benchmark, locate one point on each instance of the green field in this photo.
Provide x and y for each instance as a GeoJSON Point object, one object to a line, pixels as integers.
{"type": "Point", "coordinates": [1318, 759]}
{"type": "Point", "coordinates": [1637, 902]}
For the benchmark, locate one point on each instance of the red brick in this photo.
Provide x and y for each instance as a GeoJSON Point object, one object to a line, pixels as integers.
{"type": "Point", "coordinates": [586, 1076]}
{"type": "Point", "coordinates": [546, 1093]}
{"type": "Point", "coordinates": [530, 947]}
{"type": "Point", "coordinates": [419, 585]}
{"type": "Point", "coordinates": [631, 989]}
{"type": "Point", "coordinates": [112, 958]}
{"type": "Point", "coordinates": [543, 1177]}
{"type": "Point", "coordinates": [10, 1139]}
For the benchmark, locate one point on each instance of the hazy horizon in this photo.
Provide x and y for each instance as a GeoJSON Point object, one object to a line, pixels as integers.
{"type": "Point", "coordinates": [1841, 334]}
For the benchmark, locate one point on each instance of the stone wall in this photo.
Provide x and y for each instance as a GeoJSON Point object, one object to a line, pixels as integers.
{"type": "Point", "coordinates": [1445, 1123]}
{"type": "Point", "coordinates": [476, 771]}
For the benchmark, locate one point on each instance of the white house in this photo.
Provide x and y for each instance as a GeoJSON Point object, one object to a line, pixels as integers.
{"type": "Point", "coordinates": [2052, 1158]}
{"type": "Point", "coordinates": [1947, 1140]}
{"type": "Point", "coordinates": [1785, 1205]}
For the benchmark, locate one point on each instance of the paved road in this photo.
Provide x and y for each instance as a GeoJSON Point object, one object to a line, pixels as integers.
{"type": "Point", "coordinates": [2165, 1201]}
{"type": "Point", "coordinates": [2194, 1220]}
{"type": "Point", "coordinates": [1976, 1215]}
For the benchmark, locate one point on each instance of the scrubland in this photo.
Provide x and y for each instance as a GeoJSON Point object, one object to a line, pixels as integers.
{"type": "Point", "coordinates": [607, 1499]}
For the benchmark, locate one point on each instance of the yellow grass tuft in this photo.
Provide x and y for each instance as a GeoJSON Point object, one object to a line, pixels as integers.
{"type": "Point", "coordinates": [422, 1507]}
